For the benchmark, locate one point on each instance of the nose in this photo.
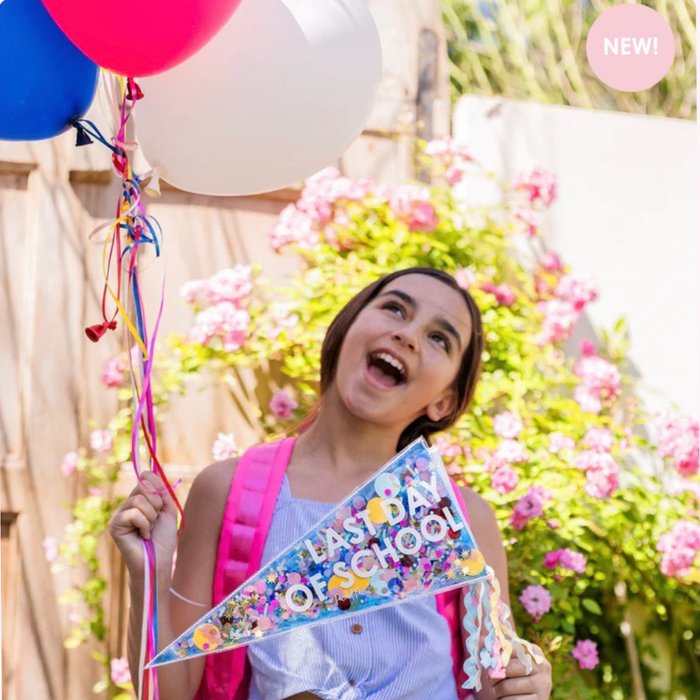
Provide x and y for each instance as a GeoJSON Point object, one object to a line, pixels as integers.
{"type": "Point", "coordinates": [406, 337]}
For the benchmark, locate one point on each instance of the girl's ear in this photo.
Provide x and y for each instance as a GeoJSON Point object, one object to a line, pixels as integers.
{"type": "Point", "coordinates": [442, 406]}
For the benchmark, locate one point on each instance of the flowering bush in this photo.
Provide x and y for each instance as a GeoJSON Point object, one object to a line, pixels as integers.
{"type": "Point", "coordinates": [597, 519]}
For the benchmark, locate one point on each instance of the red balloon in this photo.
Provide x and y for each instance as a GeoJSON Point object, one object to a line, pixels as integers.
{"type": "Point", "coordinates": [140, 37]}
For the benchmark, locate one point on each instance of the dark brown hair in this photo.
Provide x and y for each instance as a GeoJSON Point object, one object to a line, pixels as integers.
{"type": "Point", "coordinates": [467, 376]}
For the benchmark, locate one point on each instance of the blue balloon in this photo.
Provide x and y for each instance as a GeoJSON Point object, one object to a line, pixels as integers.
{"type": "Point", "coordinates": [45, 81]}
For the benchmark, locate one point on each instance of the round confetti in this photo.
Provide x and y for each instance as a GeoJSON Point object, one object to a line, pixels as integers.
{"type": "Point", "coordinates": [376, 514]}
{"type": "Point", "coordinates": [387, 485]}
{"type": "Point", "coordinates": [474, 562]}
{"type": "Point", "coordinates": [206, 637]}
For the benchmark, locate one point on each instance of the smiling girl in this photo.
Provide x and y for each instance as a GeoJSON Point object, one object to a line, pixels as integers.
{"type": "Point", "coordinates": [401, 360]}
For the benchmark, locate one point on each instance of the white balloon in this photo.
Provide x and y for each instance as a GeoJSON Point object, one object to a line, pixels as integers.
{"type": "Point", "coordinates": [280, 93]}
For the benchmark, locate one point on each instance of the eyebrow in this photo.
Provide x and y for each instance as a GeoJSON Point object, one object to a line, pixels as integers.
{"type": "Point", "coordinates": [442, 322]}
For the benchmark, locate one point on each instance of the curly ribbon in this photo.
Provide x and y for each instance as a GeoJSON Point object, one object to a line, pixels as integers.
{"type": "Point", "coordinates": [486, 612]}
{"type": "Point", "coordinates": [131, 229]}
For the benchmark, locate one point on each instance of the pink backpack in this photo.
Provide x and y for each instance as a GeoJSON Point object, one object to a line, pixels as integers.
{"type": "Point", "coordinates": [251, 503]}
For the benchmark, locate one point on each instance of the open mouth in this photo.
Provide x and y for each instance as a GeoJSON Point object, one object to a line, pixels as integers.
{"type": "Point", "coordinates": [385, 369]}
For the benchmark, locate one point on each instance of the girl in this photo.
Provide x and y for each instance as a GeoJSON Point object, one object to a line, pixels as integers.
{"type": "Point", "coordinates": [400, 360]}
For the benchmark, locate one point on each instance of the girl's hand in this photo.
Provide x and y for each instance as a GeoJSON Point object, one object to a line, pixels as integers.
{"type": "Point", "coordinates": [146, 515]}
{"type": "Point", "coordinates": [519, 686]}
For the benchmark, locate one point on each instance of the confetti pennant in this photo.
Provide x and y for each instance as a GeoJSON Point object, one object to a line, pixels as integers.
{"type": "Point", "coordinates": [399, 536]}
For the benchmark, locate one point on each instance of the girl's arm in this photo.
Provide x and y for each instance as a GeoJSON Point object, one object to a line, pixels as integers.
{"type": "Point", "coordinates": [193, 578]}
{"type": "Point", "coordinates": [487, 534]}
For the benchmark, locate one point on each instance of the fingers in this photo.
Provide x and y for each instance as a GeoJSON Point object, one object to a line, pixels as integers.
{"type": "Point", "coordinates": [161, 500]}
{"type": "Point", "coordinates": [515, 668]}
{"type": "Point", "coordinates": [513, 687]}
{"type": "Point", "coordinates": [132, 519]}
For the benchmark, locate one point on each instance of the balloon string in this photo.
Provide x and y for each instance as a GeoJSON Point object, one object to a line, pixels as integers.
{"type": "Point", "coordinates": [121, 256]}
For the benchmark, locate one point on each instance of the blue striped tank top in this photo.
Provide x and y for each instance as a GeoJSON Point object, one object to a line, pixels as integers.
{"type": "Point", "coordinates": [401, 652]}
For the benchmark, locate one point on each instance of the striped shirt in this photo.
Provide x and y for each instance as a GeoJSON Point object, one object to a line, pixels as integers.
{"type": "Point", "coordinates": [401, 652]}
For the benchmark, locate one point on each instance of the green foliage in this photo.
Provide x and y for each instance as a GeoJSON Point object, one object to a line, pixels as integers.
{"type": "Point", "coordinates": [536, 50]}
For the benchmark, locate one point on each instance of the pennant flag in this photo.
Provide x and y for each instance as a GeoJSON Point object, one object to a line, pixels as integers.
{"type": "Point", "coordinates": [399, 536]}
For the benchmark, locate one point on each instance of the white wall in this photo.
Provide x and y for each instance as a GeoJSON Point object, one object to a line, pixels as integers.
{"type": "Point", "coordinates": [626, 214]}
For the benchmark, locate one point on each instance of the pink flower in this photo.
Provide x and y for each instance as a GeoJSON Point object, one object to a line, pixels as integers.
{"type": "Point", "coordinates": [551, 559]}
{"type": "Point", "coordinates": [193, 291]}
{"type": "Point", "coordinates": [574, 561]}
{"type": "Point", "coordinates": [560, 318]}
{"type": "Point", "coordinates": [539, 184]}
{"type": "Point", "coordinates": [281, 319]}
{"type": "Point", "coordinates": [411, 204]}
{"type": "Point", "coordinates": [599, 439]}
{"type": "Point", "coordinates": [101, 440]}
{"type": "Point", "coordinates": [95, 491]}
{"type": "Point", "coordinates": [550, 261]}
{"type": "Point", "coordinates": [577, 290]}
{"type": "Point", "coordinates": [588, 399]}
{"type": "Point", "coordinates": [503, 293]}
{"type": "Point", "coordinates": [69, 464]}
{"type": "Point", "coordinates": [586, 653]}
{"type": "Point", "coordinates": [465, 277]}
{"type": "Point", "coordinates": [294, 227]}
{"type": "Point", "coordinates": [559, 442]}
{"type": "Point", "coordinates": [680, 547]}
{"type": "Point", "coordinates": [113, 371]}
{"type": "Point", "coordinates": [453, 468]}
{"type": "Point", "coordinates": [453, 174]}
{"type": "Point", "coordinates": [224, 320]}
{"type": "Point", "coordinates": [231, 284]}
{"type": "Point", "coordinates": [50, 545]}
{"type": "Point", "coordinates": [602, 472]}
{"type": "Point", "coordinates": [120, 671]}
{"type": "Point", "coordinates": [530, 506]}
{"type": "Point", "coordinates": [553, 524]}
{"type": "Point", "coordinates": [587, 348]}
{"type": "Point", "coordinates": [508, 452]}
{"type": "Point", "coordinates": [282, 405]}
{"type": "Point", "coordinates": [678, 439]}
{"type": "Point", "coordinates": [446, 149]}
{"type": "Point", "coordinates": [507, 425]}
{"type": "Point", "coordinates": [566, 558]}
{"type": "Point", "coordinates": [504, 480]}
{"type": "Point", "coordinates": [224, 447]}
{"type": "Point", "coordinates": [448, 448]}
{"type": "Point", "coordinates": [600, 379]}
{"type": "Point", "coordinates": [536, 600]}
{"type": "Point", "coordinates": [450, 157]}
{"type": "Point", "coordinates": [531, 220]}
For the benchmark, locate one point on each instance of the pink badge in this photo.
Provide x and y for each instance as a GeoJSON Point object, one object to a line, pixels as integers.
{"type": "Point", "coordinates": [630, 47]}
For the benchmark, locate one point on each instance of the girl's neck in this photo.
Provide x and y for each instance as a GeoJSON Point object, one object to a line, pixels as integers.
{"type": "Point", "coordinates": [343, 446]}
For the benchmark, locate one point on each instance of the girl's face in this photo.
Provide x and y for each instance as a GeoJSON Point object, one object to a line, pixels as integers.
{"type": "Point", "coordinates": [403, 351]}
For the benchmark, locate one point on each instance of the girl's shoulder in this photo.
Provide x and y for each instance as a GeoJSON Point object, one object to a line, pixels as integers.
{"type": "Point", "coordinates": [206, 501]}
{"type": "Point", "coordinates": [479, 508]}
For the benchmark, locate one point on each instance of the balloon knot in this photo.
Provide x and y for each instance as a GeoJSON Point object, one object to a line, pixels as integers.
{"type": "Point", "coordinates": [133, 91]}
{"type": "Point", "coordinates": [82, 138]}
{"type": "Point", "coordinates": [97, 331]}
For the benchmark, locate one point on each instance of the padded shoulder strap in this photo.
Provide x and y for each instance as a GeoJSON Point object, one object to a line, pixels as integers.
{"type": "Point", "coordinates": [249, 509]}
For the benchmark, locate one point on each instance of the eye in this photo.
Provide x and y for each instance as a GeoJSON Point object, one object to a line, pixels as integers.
{"type": "Point", "coordinates": [444, 339]}
{"type": "Point", "coordinates": [393, 305]}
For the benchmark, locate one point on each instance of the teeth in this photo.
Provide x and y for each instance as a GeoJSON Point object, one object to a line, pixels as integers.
{"type": "Point", "coordinates": [392, 361]}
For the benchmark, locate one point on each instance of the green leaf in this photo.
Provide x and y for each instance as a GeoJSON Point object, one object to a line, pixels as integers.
{"type": "Point", "coordinates": [591, 606]}
{"type": "Point", "coordinates": [100, 686]}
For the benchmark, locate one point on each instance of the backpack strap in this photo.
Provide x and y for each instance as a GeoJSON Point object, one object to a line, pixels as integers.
{"type": "Point", "coordinates": [249, 509]}
{"type": "Point", "coordinates": [448, 607]}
